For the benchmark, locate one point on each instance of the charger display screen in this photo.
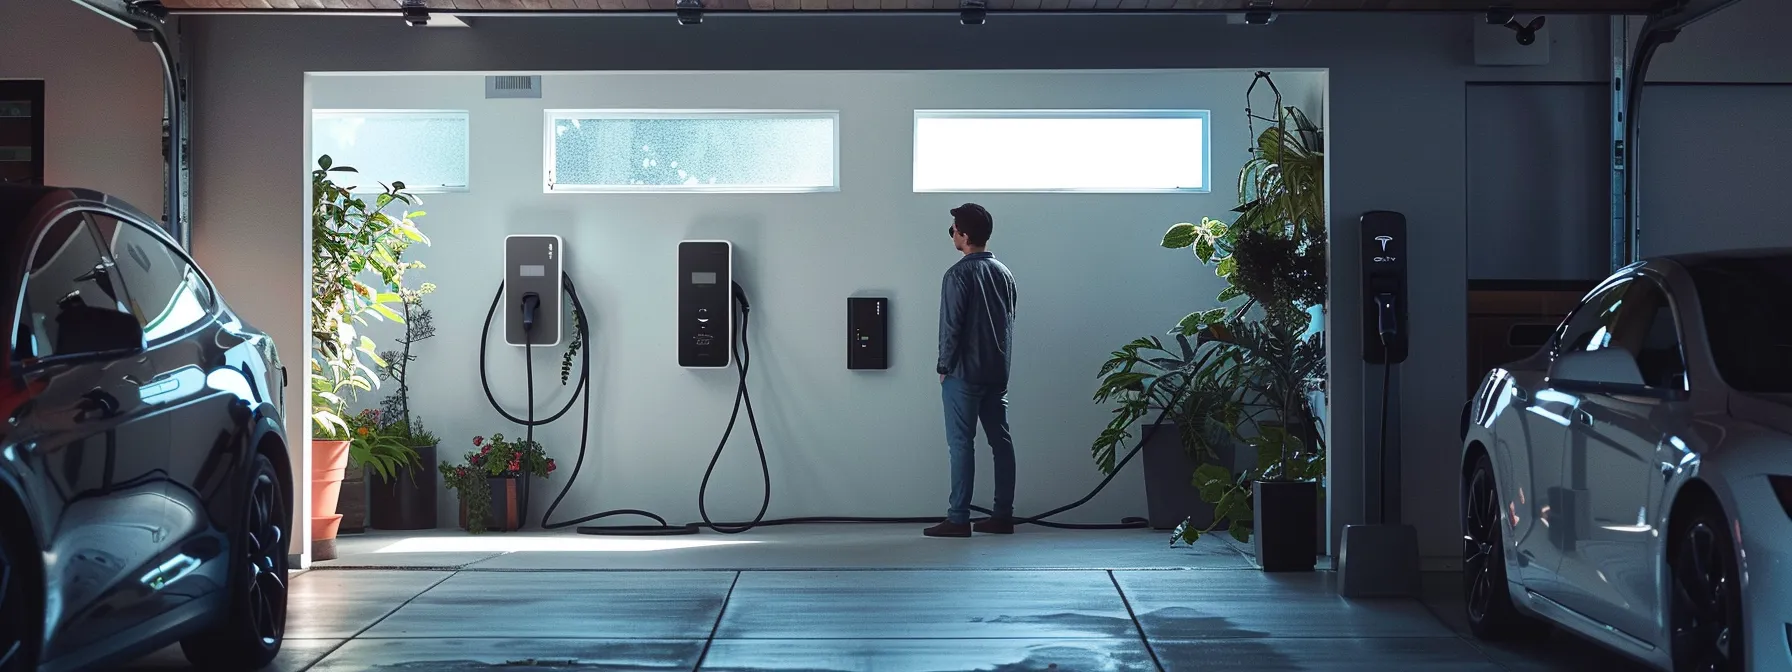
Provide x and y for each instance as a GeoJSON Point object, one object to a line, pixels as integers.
{"type": "Point", "coordinates": [703, 278]}
{"type": "Point", "coordinates": [532, 270]}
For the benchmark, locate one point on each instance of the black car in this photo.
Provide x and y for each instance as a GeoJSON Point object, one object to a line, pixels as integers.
{"type": "Point", "coordinates": [145, 488]}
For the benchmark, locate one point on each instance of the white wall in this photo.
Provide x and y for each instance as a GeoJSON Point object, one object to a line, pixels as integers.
{"type": "Point", "coordinates": [840, 442]}
{"type": "Point", "coordinates": [103, 125]}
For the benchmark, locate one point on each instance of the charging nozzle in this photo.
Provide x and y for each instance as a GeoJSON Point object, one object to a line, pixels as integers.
{"type": "Point", "coordinates": [531, 302]}
{"type": "Point", "coordinates": [1387, 321]}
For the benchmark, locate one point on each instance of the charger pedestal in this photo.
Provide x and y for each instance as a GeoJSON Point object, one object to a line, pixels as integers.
{"type": "Point", "coordinates": [1379, 561]}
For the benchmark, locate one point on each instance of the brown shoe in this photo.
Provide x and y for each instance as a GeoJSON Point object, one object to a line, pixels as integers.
{"type": "Point", "coordinates": [994, 526]}
{"type": "Point", "coordinates": [949, 529]}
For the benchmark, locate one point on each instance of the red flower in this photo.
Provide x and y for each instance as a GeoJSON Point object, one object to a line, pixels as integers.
{"type": "Point", "coordinates": [478, 440]}
{"type": "Point", "coordinates": [551, 466]}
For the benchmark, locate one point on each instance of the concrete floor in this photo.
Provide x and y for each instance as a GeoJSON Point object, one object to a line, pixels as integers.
{"type": "Point", "coordinates": [837, 598]}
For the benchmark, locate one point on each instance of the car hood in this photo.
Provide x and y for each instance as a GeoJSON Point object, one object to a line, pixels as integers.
{"type": "Point", "coordinates": [1773, 411]}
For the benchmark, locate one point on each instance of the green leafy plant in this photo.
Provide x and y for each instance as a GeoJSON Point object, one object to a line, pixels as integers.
{"type": "Point", "coordinates": [419, 326]}
{"type": "Point", "coordinates": [496, 457]}
{"type": "Point", "coordinates": [376, 446]}
{"type": "Point", "coordinates": [351, 237]}
{"type": "Point", "coordinates": [1240, 373]}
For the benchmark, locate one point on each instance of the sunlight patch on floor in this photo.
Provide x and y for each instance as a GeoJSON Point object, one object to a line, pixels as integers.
{"type": "Point", "coordinates": [498, 544]}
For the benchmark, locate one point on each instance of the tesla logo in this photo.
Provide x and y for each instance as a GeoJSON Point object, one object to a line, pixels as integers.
{"type": "Point", "coordinates": [1384, 240]}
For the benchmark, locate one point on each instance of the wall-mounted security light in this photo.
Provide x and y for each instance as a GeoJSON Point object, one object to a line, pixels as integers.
{"type": "Point", "coordinates": [415, 13]}
{"type": "Point", "coordinates": [690, 12]}
{"type": "Point", "coordinates": [1527, 32]}
{"type": "Point", "coordinates": [972, 12]}
{"type": "Point", "coordinates": [1260, 13]}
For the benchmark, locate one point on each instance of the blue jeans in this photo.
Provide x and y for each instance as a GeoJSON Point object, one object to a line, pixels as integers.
{"type": "Point", "coordinates": [966, 403]}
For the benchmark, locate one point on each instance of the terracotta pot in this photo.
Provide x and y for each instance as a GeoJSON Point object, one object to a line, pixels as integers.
{"type": "Point", "coordinates": [329, 461]}
{"type": "Point", "coordinates": [323, 536]}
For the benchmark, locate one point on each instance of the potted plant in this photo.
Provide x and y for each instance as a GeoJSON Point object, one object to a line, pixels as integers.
{"type": "Point", "coordinates": [494, 482]}
{"type": "Point", "coordinates": [1246, 373]}
{"type": "Point", "coordinates": [377, 445]}
{"type": "Point", "coordinates": [350, 239]}
{"type": "Point", "coordinates": [407, 501]}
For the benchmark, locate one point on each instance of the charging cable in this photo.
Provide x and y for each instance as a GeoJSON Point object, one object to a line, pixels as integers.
{"type": "Point", "coordinates": [743, 357]}
{"type": "Point", "coordinates": [1387, 324]}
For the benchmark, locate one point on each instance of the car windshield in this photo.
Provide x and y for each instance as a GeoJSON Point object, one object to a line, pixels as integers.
{"type": "Point", "coordinates": [1745, 300]}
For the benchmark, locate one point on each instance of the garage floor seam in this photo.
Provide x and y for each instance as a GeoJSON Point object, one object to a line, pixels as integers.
{"type": "Point", "coordinates": [720, 613]}
{"type": "Point", "coordinates": [377, 621]}
{"type": "Point", "coordinates": [1140, 627]}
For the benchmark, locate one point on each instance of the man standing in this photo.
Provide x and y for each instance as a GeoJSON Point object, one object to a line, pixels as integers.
{"type": "Point", "coordinates": [976, 330]}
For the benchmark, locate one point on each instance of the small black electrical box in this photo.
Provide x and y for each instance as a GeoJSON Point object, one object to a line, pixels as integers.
{"type": "Point", "coordinates": [867, 332]}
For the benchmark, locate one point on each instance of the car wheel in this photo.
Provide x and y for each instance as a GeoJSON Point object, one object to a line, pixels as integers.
{"type": "Point", "coordinates": [249, 636]}
{"type": "Point", "coordinates": [20, 617]}
{"type": "Point", "coordinates": [1705, 606]}
{"type": "Point", "coordinates": [1491, 614]}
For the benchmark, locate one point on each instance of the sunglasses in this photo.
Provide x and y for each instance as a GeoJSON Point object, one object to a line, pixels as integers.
{"type": "Point", "coordinates": [951, 231]}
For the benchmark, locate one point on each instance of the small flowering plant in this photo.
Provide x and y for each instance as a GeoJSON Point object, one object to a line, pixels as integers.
{"type": "Point", "coordinates": [495, 457]}
{"type": "Point", "coordinates": [372, 443]}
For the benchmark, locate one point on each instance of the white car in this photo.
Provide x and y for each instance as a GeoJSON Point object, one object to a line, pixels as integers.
{"type": "Point", "coordinates": [1632, 481]}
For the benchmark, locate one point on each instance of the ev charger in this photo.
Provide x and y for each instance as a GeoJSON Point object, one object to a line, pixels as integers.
{"type": "Point", "coordinates": [867, 332]}
{"type": "Point", "coordinates": [705, 316]}
{"type": "Point", "coordinates": [532, 267]}
{"type": "Point", "coordinates": [1381, 558]}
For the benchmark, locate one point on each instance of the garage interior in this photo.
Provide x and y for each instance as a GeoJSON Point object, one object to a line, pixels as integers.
{"type": "Point", "coordinates": [1500, 156]}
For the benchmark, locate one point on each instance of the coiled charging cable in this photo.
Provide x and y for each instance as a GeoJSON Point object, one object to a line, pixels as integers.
{"type": "Point", "coordinates": [743, 358]}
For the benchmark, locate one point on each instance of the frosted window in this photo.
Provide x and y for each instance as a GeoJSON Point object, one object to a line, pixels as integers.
{"type": "Point", "coordinates": [726, 152]}
{"type": "Point", "coordinates": [1112, 151]}
{"type": "Point", "coordinates": [425, 149]}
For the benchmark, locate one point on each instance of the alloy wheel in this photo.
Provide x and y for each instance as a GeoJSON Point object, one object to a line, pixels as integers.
{"type": "Point", "coordinates": [1706, 630]}
{"type": "Point", "coordinates": [266, 550]}
{"type": "Point", "coordinates": [1480, 544]}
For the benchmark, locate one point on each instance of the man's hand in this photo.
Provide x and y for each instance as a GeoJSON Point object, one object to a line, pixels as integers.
{"type": "Point", "coordinates": [942, 377]}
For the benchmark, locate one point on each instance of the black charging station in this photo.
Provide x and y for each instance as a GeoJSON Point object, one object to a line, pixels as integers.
{"type": "Point", "coordinates": [532, 265]}
{"type": "Point", "coordinates": [867, 332]}
{"type": "Point", "coordinates": [1381, 558]}
{"type": "Point", "coordinates": [705, 318]}
{"type": "Point", "coordinates": [1384, 287]}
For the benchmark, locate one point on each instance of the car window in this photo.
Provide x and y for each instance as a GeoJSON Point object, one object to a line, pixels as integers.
{"type": "Point", "coordinates": [71, 296]}
{"type": "Point", "coordinates": [1647, 328]}
{"type": "Point", "coordinates": [1589, 326]}
{"type": "Point", "coordinates": [1743, 302]}
{"type": "Point", "coordinates": [168, 294]}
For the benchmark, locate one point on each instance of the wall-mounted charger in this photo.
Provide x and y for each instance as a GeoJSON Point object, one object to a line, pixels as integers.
{"type": "Point", "coordinates": [867, 332]}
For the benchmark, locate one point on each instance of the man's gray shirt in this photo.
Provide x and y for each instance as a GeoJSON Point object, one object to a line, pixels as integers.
{"type": "Point", "coordinates": [977, 320]}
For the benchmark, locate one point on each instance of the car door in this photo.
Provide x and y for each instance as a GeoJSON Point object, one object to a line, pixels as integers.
{"type": "Point", "coordinates": [1539, 434]}
{"type": "Point", "coordinates": [1614, 443]}
{"type": "Point", "coordinates": [100, 455]}
{"type": "Point", "coordinates": [176, 307]}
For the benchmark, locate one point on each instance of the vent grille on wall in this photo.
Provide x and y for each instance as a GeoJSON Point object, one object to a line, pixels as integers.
{"type": "Point", "coordinates": [513, 86]}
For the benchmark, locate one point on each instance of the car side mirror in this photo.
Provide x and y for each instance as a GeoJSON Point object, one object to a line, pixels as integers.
{"type": "Point", "coordinates": [85, 332]}
{"type": "Point", "coordinates": [1606, 371]}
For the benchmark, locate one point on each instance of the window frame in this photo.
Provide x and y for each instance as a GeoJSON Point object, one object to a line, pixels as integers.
{"type": "Point", "coordinates": [156, 233]}
{"type": "Point", "coordinates": [466, 119]}
{"type": "Point", "coordinates": [43, 226]}
{"type": "Point", "coordinates": [549, 185]}
{"type": "Point", "coordinates": [1620, 283]}
{"type": "Point", "coordinates": [1206, 117]}
{"type": "Point", "coordinates": [1673, 307]}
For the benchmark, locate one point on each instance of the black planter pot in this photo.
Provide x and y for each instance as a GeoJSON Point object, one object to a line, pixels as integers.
{"type": "Point", "coordinates": [510, 504]}
{"type": "Point", "coordinates": [1170, 493]}
{"type": "Point", "coordinates": [408, 501]}
{"type": "Point", "coordinates": [1285, 529]}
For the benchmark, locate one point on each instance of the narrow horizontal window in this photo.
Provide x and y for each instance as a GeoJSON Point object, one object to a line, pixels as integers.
{"type": "Point", "coordinates": [427, 150]}
{"type": "Point", "coordinates": [1061, 150]}
{"type": "Point", "coordinates": [594, 150]}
